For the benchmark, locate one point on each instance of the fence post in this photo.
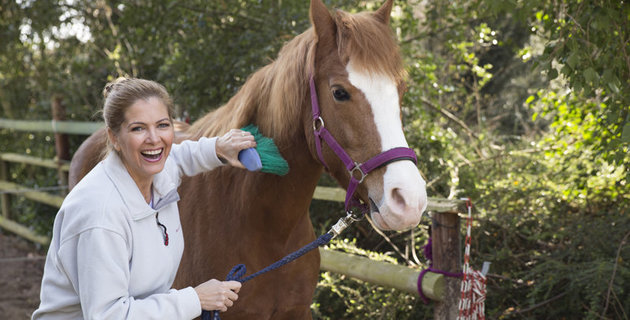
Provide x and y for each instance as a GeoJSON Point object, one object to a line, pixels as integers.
{"type": "Point", "coordinates": [6, 198]}
{"type": "Point", "coordinates": [447, 257]}
{"type": "Point", "coordinates": [61, 141]}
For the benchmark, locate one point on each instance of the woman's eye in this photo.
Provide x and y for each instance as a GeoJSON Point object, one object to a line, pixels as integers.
{"type": "Point", "coordinates": [340, 94]}
{"type": "Point", "coordinates": [136, 129]}
{"type": "Point", "coordinates": [164, 125]}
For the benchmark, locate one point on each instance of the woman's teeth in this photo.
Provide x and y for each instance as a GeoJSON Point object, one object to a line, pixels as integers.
{"type": "Point", "coordinates": [152, 153]}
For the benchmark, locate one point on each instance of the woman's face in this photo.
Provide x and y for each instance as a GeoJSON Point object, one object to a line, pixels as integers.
{"type": "Point", "coordinates": [145, 139]}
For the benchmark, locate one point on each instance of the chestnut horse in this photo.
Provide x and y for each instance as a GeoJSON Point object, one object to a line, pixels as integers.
{"type": "Point", "coordinates": [231, 216]}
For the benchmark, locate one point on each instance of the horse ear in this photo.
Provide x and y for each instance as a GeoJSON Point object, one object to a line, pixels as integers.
{"type": "Point", "coordinates": [384, 12]}
{"type": "Point", "coordinates": [322, 21]}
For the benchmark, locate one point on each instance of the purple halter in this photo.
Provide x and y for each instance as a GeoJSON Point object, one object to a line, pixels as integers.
{"type": "Point", "coordinates": [384, 158]}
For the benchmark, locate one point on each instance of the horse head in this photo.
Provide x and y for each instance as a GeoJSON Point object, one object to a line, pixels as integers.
{"type": "Point", "coordinates": [359, 81]}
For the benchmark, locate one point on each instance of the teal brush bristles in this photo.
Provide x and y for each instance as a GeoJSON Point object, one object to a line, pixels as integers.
{"type": "Point", "coordinates": [270, 157]}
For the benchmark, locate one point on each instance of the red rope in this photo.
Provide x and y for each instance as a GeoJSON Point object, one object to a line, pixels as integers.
{"type": "Point", "coordinates": [473, 285]}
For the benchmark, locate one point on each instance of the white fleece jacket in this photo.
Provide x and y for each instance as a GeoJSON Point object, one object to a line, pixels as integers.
{"type": "Point", "coordinates": [107, 258]}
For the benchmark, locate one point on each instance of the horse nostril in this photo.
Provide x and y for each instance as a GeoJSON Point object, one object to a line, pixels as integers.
{"type": "Point", "coordinates": [398, 198]}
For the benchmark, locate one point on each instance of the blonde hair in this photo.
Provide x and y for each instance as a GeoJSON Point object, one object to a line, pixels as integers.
{"type": "Point", "coordinates": [122, 93]}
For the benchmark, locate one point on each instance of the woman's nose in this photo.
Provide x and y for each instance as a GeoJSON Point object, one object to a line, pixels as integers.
{"type": "Point", "coordinates": [152, 136]}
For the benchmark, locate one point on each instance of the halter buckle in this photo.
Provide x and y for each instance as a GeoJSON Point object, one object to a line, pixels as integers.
{"type": "Point", "coordinates": [357, 166]}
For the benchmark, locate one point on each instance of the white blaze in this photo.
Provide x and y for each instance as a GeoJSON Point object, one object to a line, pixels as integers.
{"type": "Point", "coordinates": [382, 94]}
{"type": "Point", "coordinates": [404, 197]}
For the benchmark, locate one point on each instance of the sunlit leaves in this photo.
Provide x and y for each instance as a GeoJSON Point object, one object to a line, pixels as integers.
{"type": "Point", "coordinates": [590, 40]}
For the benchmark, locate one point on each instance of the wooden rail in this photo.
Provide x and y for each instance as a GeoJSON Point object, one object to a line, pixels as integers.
{"type": "Point", "coordinates": [68, 127]}
{"type": "Point", "coordinates": [383, 273]}
{"type": "Point", "coordinates": [380, 273]}
{"type": "Point", "coordinates": [46, 163]}
{"type": "Point", "coordinates": [39, 196]}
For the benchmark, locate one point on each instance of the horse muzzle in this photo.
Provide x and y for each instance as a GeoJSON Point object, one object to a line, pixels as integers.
{"type": "Point", "coordinates": [403, 200]}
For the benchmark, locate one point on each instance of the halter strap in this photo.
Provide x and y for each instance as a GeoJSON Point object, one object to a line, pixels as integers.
{"type": "Point", "coordinates": [381, 159]}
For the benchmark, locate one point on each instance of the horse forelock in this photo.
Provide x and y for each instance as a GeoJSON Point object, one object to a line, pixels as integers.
{"type": "Point", "coordinates": [369, 43]}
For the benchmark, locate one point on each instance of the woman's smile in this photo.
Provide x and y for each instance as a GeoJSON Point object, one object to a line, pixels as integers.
{"type": "Point", "coordinates": [153, 155]}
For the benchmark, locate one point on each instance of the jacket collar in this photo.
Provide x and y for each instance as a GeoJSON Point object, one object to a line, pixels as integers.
{"type": "Point", "coordinates": [164, 188]}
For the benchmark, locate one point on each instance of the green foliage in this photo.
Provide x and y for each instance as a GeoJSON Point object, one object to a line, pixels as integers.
{"type": "Point", "coordinates": [588, 44]}
{"type": "Point", "coordinates": [558, 243]}
{"type": "Point", "coordinates": [201, 51]}
{"type": "Point", "coordinates": [574, 146]}
{"type": "Point", "coordinates": [543, 162]}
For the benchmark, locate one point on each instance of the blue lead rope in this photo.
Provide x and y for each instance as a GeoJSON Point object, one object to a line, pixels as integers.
{"type": "Point", "coordinates": [239, 270]}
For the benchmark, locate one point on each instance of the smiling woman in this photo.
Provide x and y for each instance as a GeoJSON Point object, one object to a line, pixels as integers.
{"type": "Point", "coordinates": [144, 141]}
{"type": "Point", "coordinates": [116, 221]}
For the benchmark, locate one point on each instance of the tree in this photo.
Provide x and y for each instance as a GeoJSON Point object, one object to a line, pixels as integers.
{"type": "Point", "coordinates": [588, 45]}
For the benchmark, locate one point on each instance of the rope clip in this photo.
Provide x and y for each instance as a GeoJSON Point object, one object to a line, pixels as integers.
{"type": "Point", "coordinates": [344, 223]}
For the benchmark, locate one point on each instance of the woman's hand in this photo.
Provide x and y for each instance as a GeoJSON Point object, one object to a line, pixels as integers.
{"type": "Point", "coordinates": [230, 144]}
{"type": "Point", "coordinates": [218, 295]}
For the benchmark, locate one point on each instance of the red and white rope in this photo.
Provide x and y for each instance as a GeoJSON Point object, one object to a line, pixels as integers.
{"type": "Point", "coordinates": [473, 285]}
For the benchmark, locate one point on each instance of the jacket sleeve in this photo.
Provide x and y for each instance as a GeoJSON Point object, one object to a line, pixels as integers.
{"type": "Point", "coordinates": [194, 157]}
{"type": "Point", "coordinates": [97, 262]}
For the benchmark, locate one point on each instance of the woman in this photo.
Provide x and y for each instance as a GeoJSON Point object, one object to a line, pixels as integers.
{"type": "Point", "coordinates": [117, 239]}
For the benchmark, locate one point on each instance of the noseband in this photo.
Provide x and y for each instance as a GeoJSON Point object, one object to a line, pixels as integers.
{"type": "Point", "coordinates": [361, 169]}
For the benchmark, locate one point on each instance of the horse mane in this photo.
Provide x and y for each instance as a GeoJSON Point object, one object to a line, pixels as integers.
{"type": "Point", "coordinates": [272, 97]}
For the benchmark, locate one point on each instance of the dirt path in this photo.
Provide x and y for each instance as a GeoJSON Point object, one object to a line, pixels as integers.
{"type": "Point", "coordinates": [21, 269]}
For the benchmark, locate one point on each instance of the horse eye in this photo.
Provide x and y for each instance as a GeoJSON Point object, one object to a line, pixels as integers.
{"type": "Point", "coordinates": [340, 94]}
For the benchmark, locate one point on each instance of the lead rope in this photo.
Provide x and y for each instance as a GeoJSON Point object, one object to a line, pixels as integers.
{"type": "Point", "coordinates": [237, 273]}
{"type": "Point", "coordinates": [473, 285]}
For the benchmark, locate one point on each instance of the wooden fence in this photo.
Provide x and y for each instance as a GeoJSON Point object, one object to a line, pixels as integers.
{"type": "Point", "coordinates": [446, 238]}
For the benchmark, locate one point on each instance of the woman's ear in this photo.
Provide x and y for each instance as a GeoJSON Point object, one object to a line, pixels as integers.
{"type": "Point", "coordinates": [113, 139]}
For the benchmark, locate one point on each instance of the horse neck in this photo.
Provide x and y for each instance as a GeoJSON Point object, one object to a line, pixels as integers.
{"type": "Point", "coordinates": [286, 199]}
{"type": "Point", "coordinates": [280, 109]}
